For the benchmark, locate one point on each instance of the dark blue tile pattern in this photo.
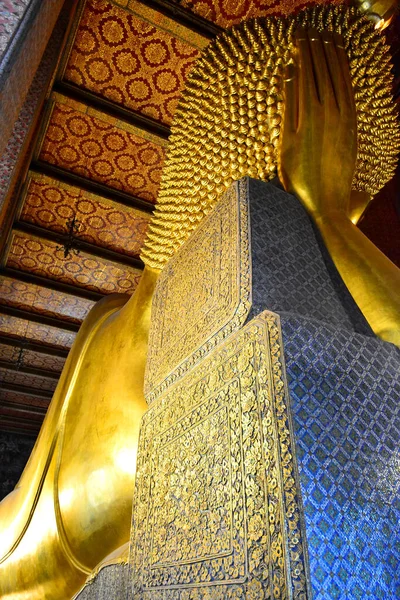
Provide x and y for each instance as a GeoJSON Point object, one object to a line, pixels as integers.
{"type": "Point", "coordinates": [292, 270]}
{"type": "Point", "coordinates": [112, 582]}
{"type": "Point", "coordinates": [345, 391]}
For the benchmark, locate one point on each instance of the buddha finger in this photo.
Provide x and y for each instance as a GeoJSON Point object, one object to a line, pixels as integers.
{"type": "Point", "coordinates": [346, 103]}
{"type": "Point", "coordinates": [335, 71]}
{"type": "Point", "coordinates": [321, 72]}
{"type": "Point", "coordinates": [308, 96]}
{"type": "Point", "coordinates": [290, 81]}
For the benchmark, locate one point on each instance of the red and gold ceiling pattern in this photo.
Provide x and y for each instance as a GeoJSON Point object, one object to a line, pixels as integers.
{"type": "Point", "coordinates": [100, 150]}
{"type": "Point", "coordinates": [25, 357]}
{"type": "Point", "coordinates": [129, 60]}
{"type": "Point", "coordinates": [9, 353]}
{"type": "Point", "coordinates": [31, 297]}
{"type": "Point", "coordinates": [44, 258]}
{"type": "Point", "coordinates": [19, 398]}
{"type": "Point", "coordinates": [52, 205]}
{"type": "Point", "coordinates": [227, 13]}
{"type": "Point", "coordinates": [35, 332]}
{"type": "Point", "coordinates": [40, 360]}
{"type": "Point", "coordinates": [28, 380]}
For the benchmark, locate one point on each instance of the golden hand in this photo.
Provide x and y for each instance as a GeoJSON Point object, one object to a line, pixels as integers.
{"type": "Point", "coordinates": [318, 145]}
{"type": "Point", "coordinates": [318, 151]}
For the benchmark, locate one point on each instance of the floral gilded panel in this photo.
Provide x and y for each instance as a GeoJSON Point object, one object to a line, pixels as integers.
{"type": "Point", "coordinates": [52, 204]}
{"type": "Point", "coordinates": [132, 60]}
{"type": "Point", "coordinates": [44, 258]}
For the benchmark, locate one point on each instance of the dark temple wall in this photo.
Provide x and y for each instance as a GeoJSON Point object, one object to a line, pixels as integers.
{"type": "Point", "coordinates": [14, 453]}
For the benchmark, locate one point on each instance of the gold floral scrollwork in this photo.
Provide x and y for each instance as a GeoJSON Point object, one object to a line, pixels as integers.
{"type": "Point", "coordinates": [216, 511]}
{"type": "Point", "coordinates": [203, 294]}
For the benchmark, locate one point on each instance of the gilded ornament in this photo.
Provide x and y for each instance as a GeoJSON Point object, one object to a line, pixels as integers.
{"type": "Point", "coordinates": [216, 512]}
{"type": "Point", "coordinates": [212, 303]}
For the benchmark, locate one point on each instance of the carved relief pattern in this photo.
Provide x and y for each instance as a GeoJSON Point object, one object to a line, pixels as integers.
{"type": "Point", "coordinates": [185, 501]}
{"type": "Point", "coordinates": [42, 257]}
{"type": "Point", "coordinates": [52, 204]}
{"type": "Point", "coordinates": [216, 504]}
{"type": "Point", "coordinates": [146, 76]}
{"type": "Point", "coordinates": [212, 303]}
{"type": "Point", "coordinates": [104, 149]}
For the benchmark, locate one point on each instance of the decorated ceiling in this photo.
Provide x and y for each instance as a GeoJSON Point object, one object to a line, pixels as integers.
{"type": "Point", "coordinates": [93, 179]}
{"type": "Point", "coordinates": [102, 148]}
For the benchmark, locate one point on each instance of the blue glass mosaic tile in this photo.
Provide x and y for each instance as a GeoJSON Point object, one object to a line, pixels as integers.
{"type": "Point", "coordinates": [291, 269]}
{"type": "Point", "coordinates": [345, 391]}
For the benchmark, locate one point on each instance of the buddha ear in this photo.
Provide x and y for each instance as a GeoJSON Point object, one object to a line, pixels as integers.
{"type": "Point", "coordinates": [358, 203]}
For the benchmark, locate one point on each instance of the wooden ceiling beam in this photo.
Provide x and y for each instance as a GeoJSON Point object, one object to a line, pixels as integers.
{"type": "Point", "coordinates": [15, 421]}
{"type": "Point", "coordinates": [108, 107]}
{"type": "Point", "coordinates": [34, 347]}
{"type": "Point", "coordinates": [10, 428]}
{"type": "Point", "coordinates": [15, 429]}
{"type": "Point", "coordinates": [91, 186]}
{"type": "Point", "coordinates": [28, 391]}
{"type": "Point", "coordinates": [23, 408]}
{"type": "Point", "coordinates": [26, 370]}
{"type": "Point", "coordinates": [78, 244]}
{"type": "Point", "coordinates": [51, 284]}
{"type": "Point", "coordinates": [37, 318]}
{"type": "Point", "coordinates": [185, 17]}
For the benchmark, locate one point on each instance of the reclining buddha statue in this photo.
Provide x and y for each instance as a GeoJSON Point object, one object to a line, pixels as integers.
{"type": "Point", "coordinates": [308, 98]}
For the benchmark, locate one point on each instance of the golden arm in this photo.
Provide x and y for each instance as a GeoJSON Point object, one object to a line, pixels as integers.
{"type": "Point", "coordinates": [318, 151]}
{"type": "Point", "coordinates": [72, 506]}
{"type": "Point", "coordinates": [16, 508]}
